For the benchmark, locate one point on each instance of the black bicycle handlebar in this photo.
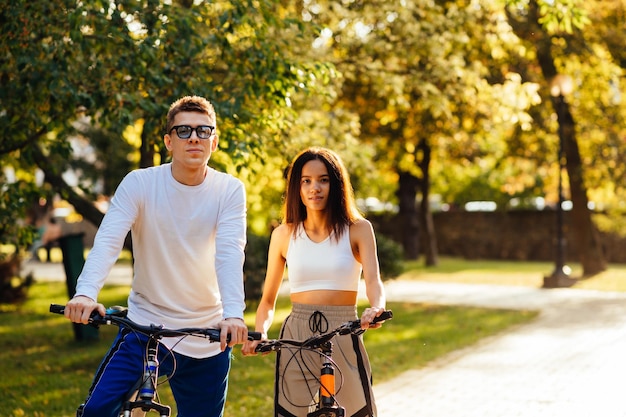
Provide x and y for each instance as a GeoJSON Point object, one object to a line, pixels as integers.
{"type": "Point", "coordinates": [316, 341]}
{"type": "Point", "coordinates": [117, 316]}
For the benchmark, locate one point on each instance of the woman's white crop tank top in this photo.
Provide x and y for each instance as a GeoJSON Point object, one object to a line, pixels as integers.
{"type": "Point", "coordinates": [327, 265]}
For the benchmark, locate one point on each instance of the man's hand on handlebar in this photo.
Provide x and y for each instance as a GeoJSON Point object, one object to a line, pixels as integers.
{"type": "Point", "coordinates": [80, 307]}
{"type": "Point", "coordinates": [237, 330]}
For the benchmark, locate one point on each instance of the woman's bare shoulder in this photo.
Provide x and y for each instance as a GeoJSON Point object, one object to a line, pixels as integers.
{"type": "Point", "coordinates": [283, 231]}
{"type": "Point", "coordinates": [361, 226]}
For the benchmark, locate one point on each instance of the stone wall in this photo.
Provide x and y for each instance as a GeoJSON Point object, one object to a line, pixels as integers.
{"type": "Point", "coordinates": [514, 235]}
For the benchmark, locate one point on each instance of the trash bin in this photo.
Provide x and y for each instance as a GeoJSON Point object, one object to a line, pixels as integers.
{"type": "Point", "coordinates": [72, 249]}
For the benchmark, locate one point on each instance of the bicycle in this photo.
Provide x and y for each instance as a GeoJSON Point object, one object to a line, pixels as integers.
{"type": "Point", "coordinates": [145, 396]}
{"type": "Point", "coordinates": [326, 404]}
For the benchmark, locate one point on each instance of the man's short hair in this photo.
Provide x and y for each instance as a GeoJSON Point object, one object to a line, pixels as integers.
{"type": "Point", "coordinates": [190, 104]}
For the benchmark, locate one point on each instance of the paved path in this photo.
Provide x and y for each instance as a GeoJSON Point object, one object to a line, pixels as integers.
{"type": "Point", "coordinates": [569, 362]}
{"type": "Point", "coordinates": [53, 271]}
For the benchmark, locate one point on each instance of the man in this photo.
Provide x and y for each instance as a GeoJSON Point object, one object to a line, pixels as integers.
{"type": "Point", "coordinates": [188, 225]}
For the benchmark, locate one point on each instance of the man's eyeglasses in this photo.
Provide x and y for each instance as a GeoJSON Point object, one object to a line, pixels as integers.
{"type": "Point", "coordinates": [185, 131]}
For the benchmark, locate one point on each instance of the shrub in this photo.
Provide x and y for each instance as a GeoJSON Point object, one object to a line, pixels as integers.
{"type": "Point", "coordinates": [390, 257]}
{"type": "Point", "coordinates": [254, 267]}
{"type": "Point", "coordinates": [13, 287]}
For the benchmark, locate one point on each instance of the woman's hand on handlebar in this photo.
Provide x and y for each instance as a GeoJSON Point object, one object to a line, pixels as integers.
{"type": "Point", "coordinates": [369, 315]}
{"type": "Point", "coordinates": [249, 348]}
{"type": "Point", "coordinates": [80, 307]}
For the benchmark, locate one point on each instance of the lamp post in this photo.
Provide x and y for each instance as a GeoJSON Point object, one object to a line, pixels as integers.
{"type": "Point", "coordinates": [560, 87]}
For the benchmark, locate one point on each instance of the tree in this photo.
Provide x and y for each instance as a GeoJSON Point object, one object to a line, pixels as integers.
{"type": "Point", "coordinates": [419, 87]}
{"type": "Point", "coordinates": [563, 42]}
{"type": "Point", "coordinates": [453, 97]}
{"type": "Point", "coordinates": [120, 63]}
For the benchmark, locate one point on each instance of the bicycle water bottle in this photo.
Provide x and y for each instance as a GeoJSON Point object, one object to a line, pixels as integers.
{"type": "Point", "coordinates": [327, 385]}
{"type": "Point", "coordinates": [150, 375]}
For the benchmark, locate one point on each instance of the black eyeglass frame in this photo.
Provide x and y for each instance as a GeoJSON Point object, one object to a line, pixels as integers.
{"type": "Point", "coordinates": [191, 130]}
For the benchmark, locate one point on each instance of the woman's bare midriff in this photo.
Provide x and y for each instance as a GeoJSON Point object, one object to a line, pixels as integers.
{"type": "Point", "coordinates": [325, 297]}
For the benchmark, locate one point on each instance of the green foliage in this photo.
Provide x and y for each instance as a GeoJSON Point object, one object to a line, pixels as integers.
{"type": "Point", "coordinates": [613, 222]}
{"type": "Point", "coordinates": [423, 75]}
{"type": "Point", "coordinates": [119, 64]}
{"type": "Point", "coordinates": [384, 83]}
{"type": "Point", "coordinates": [582, 38]}
{"type": "Point", "coordinates": [563, 15]}
{"type": "Point", "coordinates": [16, 199]}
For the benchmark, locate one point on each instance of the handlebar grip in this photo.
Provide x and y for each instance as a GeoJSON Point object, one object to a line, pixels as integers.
{"type": "Point", "coordinates": [385, 315]}
{"type": "Point", "coordinates": [254, 335]}
{"type": "Point", "coordinates": [214, 335]}
{"type": "Point", "coordinates": [57, 308]}
{"type": "Point", "coordinates": [95, 319]}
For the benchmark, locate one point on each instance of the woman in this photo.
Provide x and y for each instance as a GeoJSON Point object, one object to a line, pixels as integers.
{"type": "Point", "coordinates": [325, 244]}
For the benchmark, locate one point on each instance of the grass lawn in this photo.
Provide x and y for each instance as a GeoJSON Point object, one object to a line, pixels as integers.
{"type": "Point", "coordinates": [46, 373]}
{"type": "Point", "coordinates": [510, 273]}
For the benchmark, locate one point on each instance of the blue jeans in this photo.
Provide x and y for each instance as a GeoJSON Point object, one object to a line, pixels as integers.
{"type": "Point", "coordinates": [199, 386]}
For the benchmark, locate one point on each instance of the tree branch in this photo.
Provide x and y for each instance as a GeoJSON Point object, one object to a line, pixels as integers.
{"type": "Point", "coordinates": [4, 149]}
{"type": "Point", "coordinates": [82, 205]}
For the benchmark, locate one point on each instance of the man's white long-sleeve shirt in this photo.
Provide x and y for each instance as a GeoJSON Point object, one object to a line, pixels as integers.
{"type": "Point", "coordinates": [188, 247]}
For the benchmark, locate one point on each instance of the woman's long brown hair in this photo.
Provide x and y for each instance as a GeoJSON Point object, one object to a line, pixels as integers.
{"type": "Point", "coordinates": [341, 208]}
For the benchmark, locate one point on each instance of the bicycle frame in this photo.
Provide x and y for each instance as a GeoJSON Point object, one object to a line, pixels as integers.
{"type": "Point", "coordinates": [144, 397]}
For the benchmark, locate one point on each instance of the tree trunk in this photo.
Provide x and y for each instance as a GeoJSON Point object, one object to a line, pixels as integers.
{"type": "Point", "coordinates": [408, 214]}
{"type": "Point", "coordinates": [589, 247]}
{"type": "Point", "coordinates": [147, 152]}
{"type": "Point", "coordinates": [425, 215]}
